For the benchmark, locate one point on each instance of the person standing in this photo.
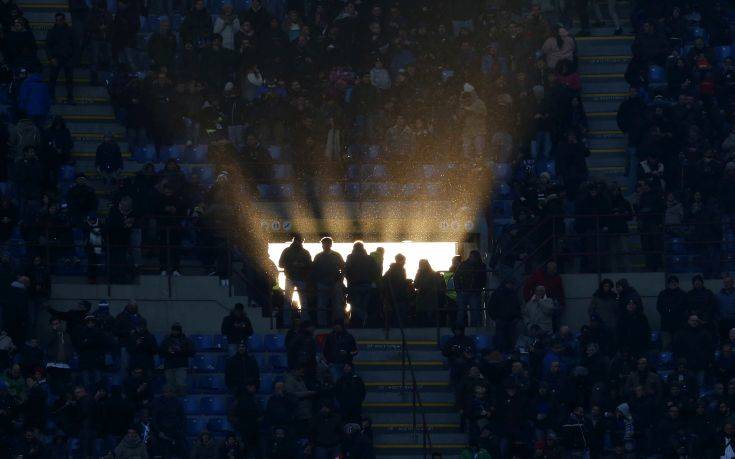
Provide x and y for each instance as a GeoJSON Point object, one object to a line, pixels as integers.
{"type": "Point", "coordinates": [176, 349]}
{"type": "Point", "coordinates": [505, 310]}
{"type": "Point", "coordinates": [296, 264]}
{"type": "Point", "coordinates": [672, 306]}
{"type": "Point", "coordinates": [236, 326]}
{"type": "Point", "coordinates": [726, 306]}
{"type": "Point", "coordinates": [328, 270]}
{"type": "Point", "coordinates": [360, 272]}
{"type": "Point", "coordinates": [99, 28]}
{"type": "Point", "coordinates": [430, 291]}
{"type": "Point", "coordinates": [469, 280]}
{"type": "Point", "coordinates": [339, 348]}
{"type": "Point", "coordinates": [61, 47]}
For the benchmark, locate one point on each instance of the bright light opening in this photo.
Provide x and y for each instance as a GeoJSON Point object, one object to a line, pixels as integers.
{"type": "Point", "coordinates": [439, 254]}
{"type": "Point", "coordinates": [295, 298]}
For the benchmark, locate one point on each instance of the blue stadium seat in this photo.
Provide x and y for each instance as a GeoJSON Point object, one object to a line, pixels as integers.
{"type": "Point", "coordinates": [443, 340]}
{"type": "Point", "coordinates": [191, 404]}
{"type": "Point", "coordinates": [656, 76]}
{"type": "Point", "coordinates": [677, 264]}
{"type": "Point", "coordinates": [502, 208]}
{"type": "Point", "coordinates": [374, 152]}
{"type": "Point", "coordinates": [677, 245]}
{"type": "Point", "coordinates": [429, 171]}
{"type": "Point", "coordinates": [275, 152]}
{"type": "Point", "coordinates": [266, 382]}
{"type": "Point", "coordinates": [195, 154]}
{"type": "Point", "coordinates": [379, 172]}
{"type": "Point", "coordinates": [352, 189]}
{"type": "Point", "coordinates": [281, 171]}
{"type": "Point", "coordinates": [381, 189]}
{"type": "Point", "coordinates": [432, 189]}
{"type": "Point", "coordinates": [206, 173]}
{"type": "Point", "coordinates": [262, 360]}
{"type": "Point", "coordinates": [194, 426]}
{"type": "Point", "coordinates": [207, 362]}
{"type": "Point", "coordinates": [504, 189]}
{"type": "Point", "coordinates": [546, 166]}
{"type": "Point", "coordinates": [699, 32]}
{"type": "Point", "coordinates": [202, 342]}
{"type": "Point", "coordinates": [334, 190]}
{"type": "Point", "coordinates": [482, 342]}
{"type": "Point", "coordinates": [219, 342]}
{"type": "Point", "coordinates": [219, 425]}
{"type": "Point", "coordinates": [175, 152]}
{"type": "Point", "coordinates": [665, 360]}
{"type": "Point", "coordinates": [264, 190]}
{"type": "Point", "coordinates": [278, 362]}
{"type": "Point", "coordinates": [409, 190]}
{"type": "Point", "coordinates": [503, 171]}
{"type": "Point", "coordinates": [67, 173]}
{"type": "Point", "coordinates": [255, 343]}
{"type": "Point", "coordinates": [723, 52]}
{"type": "Point", "coordinates": [215, 382]}
{"type": "Point", "coordinates": [352, 172]}
{"type": "Point", "coordinates": [215, 404]}
{"type": "Point", "coordinates": [146, 154]}
{"type": "Point", "coordinates": [275, 342]}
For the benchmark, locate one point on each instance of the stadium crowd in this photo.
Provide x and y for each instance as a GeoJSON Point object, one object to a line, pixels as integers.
{"type": "Point", "coordinates": [93, 385]}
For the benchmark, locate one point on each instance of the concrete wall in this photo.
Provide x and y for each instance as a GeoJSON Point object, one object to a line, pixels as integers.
{"type": "Point", "coordinates": [198, 302]}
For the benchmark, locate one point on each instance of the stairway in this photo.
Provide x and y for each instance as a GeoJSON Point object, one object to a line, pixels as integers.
{"type": "Point", "coordinates": [93, 116]}
{"type": "Point", "coordinates": [389, 404]}
{"type": "Point", "coordinates": [602, 63]}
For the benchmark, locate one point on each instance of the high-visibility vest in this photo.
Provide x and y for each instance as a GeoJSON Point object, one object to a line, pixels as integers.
{"type": "Point", "coordinates": [449, 280]}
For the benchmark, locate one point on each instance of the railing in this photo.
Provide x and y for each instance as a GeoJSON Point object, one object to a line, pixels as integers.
{"type": "Point", "coordinates": [598, 248]}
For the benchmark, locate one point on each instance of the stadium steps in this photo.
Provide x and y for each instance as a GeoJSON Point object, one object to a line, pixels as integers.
{"type": "Point", "coordinates": [390, 404]}
{"type": "Point", "coordinates": [93, 115]}
{"type": "Point", "coordinates": [602, 63]}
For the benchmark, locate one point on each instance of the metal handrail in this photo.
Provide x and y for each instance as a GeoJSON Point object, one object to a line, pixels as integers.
{"type": "Point", "coordinates": [415, 392]}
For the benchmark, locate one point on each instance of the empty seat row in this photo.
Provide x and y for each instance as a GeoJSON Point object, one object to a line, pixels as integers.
{"type": "Point", "coordinates": [272, 342]}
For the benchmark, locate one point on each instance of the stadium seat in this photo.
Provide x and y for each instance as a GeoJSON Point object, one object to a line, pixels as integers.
{"type": "Point", "coordinates": [219, 342]}
{"type": "Point", "coordinates": [429, 171]}
{"type": "Point", "coordinates": [699, 32]}
{"type": "Point", "coordinates": [215, 382]}
{"type": "Point", "coordinates": [194, 426]}
{"type": "Point", "coordinates": [677, 245]}
{"type": "Point", "coordinates": [206, 362]}
{"type": "Point", "coordinates": [206, 173]}
{"type": "Point", "coordinates": [374, 152]}
{"type": "Point", "coordinates": [502, 208]}
{"type": "Point", "coordinates": [215, 404]}
{"type": "Point", "coordinates": [191, 404]}
{"type": "Point", "coordinates": [202, 342]}
{"type": "Point", "coordinates": [443, 340]}
{"type": "Point", "coordinates": [195, 154]}
{"type": "Point", "coordinates": [677, 264]}
{"type": "Point", "coordinates": [275, 342]}
{"type": "Point", "coordinates": [266, 382]}
{"type": "Point", "coordinates": [285, 191]}
{"type": "Point", "coordinates": [278, 362]}
{"type": "Point", "coordinates": [146, 154]}
{"type": "Point", "coordinates": [281, 171]}
{"type": "Point", "coordinates": [175, 152]}
{"type": "Point", "coordinates": [723, 52]}
{"type": "Point", "coordinates": [263, 362]}
{"type": "Point", "coordinates": [656, 76]}
{"type": "Point", "coordinates": [264, 190]}
{"type": "Point", "coordinates": [665, 360]}
{"type": "Point", "coordinates": [219, 425]}
{"type": "Point", "coordinates": [482, 342]}
{"type": "Point", "coordinates": [334, 190]}
{"type": "Point", "coordinates": [503, 171]}
{"type": "Point", "coordinates": [504, 189]}
{"type": "Point", "coordinates": [275, 152]}
{"type": "Point", "coordinates": [67, 173]}
{"type": "Point", "coordinates": [255, 343]}
{"type": "Point", "coordinates": [353, 189]}
{"type": "Point", "coordinates": [352, 172]}
{"type": "Point", "coordinates": [381, 189]}
{"type": "Point", "coordinates": [432, 189]}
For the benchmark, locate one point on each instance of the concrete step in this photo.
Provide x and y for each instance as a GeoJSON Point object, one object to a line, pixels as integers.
{"type": "Point", "coordinates": [87, 148]}
{"type": "Point", "coordinates": [398, 386]}
{"type": "Point", "coordinates": [382, 417]}
{"type": "Point", "coordinates": [432, 407]}
{"type": "Point", "coordinates": [604, 45]}
{"type": "Point", "coordinates": [407, 438]}
{"type": "Point", "coordinates": [394, 334]}
{"type": "Point", "coordinates": [616, 97]}
{"type": "Point", "coordinates": [603, 123]}
{"type": "Point", "coordinates": [597, 67]}
{"type": "Point", "coordinates": [396, 355]}
{"type": "Point", "coordinates": [85, 90]}
{"type": "Point", "coordinates": [372, 374]}
{"type": "Point", "coordinates": [406, 397]}
{"type": "Point", "coordinates": [606, 161]}
{"type": "Point", "coordinates": [607, 173]}
{"type": "Point", "coordinates": [84, 129]}
{"type": "Point", "coordinates": [597, 106]}
{"type": "Point", "coordinates": [599, 86]}
{"type": "Point", "coordinates": [376, 345]}
{"type": "Point", "coordinates": [606, 134]}
{"type": "Point", "coordinates": [418, 365]}
{"type": "Point", "coordinates": [409, 427]}
{"type": "Point", "coordinates": [606, 143]}
{"type": "Point", "coordinates": [84, 134]}
{"type": "Point", "coordinates": [71, 112]}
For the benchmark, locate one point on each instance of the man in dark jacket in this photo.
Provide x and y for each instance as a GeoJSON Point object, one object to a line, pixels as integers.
{"type": "Point", "coordinates": [631, 120]}
{"type": "Point", "coordinates": [162, 45]}
{"type": "Point", "coordinates": [339, 348]}
{"type": "Point", "coordinates": [326, 429]}
{"type": "Point", "coordinates": [197, 25]}
{"type": "Point", "coordinates": [82, 200]}
{"type": "Point", "coordinates": [302, 349]}
{"type": "Point", "coordinates": [236, 327]}
{"type": "Point", "coordinates": [672, 306]}
{"type": "Point", "coordinates": [702, 302]}
{"type": "Point", "coordinates": [15, 310]}
{"type": "Point", "coordinates": [695, 344]}
{"type": "Point", "coordinates": [396, 294]}
{"type": "Point", "coordinates": [169, 420]}
{"type": "Point", "coordinates": [138, 387]}
{"type": "Point", "coordinates": [99, 28]}
{"type": "Point", "coordinates": [360, 272]}
{"type": "Point", "coordinates": [571, 160]}
{"type": "Point", "coordinates": [108, 158]}
{"type": "Point", "coordinates": [241, 369]}
{"type": "Point", "coordinates": [296, 264]}
{"type": "Point", "coordinates": [59, 351]}
{"type": "Point", "coordinates": [74, 318]}
{"type": "Point", "coordinates": [141, 347]}
{"type": "Point", "coordinates": [127, 321]}
{"type": "Point", "coordinates": [176, 349]}
{"type": "Point", "coordinates": [92, 344]}
{"type": "Point", "coordinates": [247, 415]}
{"type": "Point", "coordinates": [350, 393]}
{"type": "Point", "coordinates": [327, 271]}
{"type": "Point", "coordinates": [469, 281]}
{"type": "Point", "coordinates": [279, 411]}
{"type": "Point", "coordinates": [505, 310]}
{"type": "Point", "coordinates": [61, 49]}
{"type": "Point", "coordinates": [460, 352]}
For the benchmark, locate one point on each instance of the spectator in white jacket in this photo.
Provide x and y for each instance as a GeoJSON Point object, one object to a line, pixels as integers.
{"type": "Point", "coordinates": [539, 310]}
{"type": "Point", "coordinates": [227, 25]}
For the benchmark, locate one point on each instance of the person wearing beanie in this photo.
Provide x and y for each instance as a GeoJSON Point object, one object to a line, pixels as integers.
{"type": "Point", "coordinates": [236, 326]}
{"type": "Point", "coordinates": [702, 302]}
{"type": "Point", "coordinates": [241, 369]}
{"type": "Point", "coordinates": [339, 348]}
{"type": "Point", "coordinates": [673, 308]}
{"type": "Point", "coordinates": [176, 349]}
